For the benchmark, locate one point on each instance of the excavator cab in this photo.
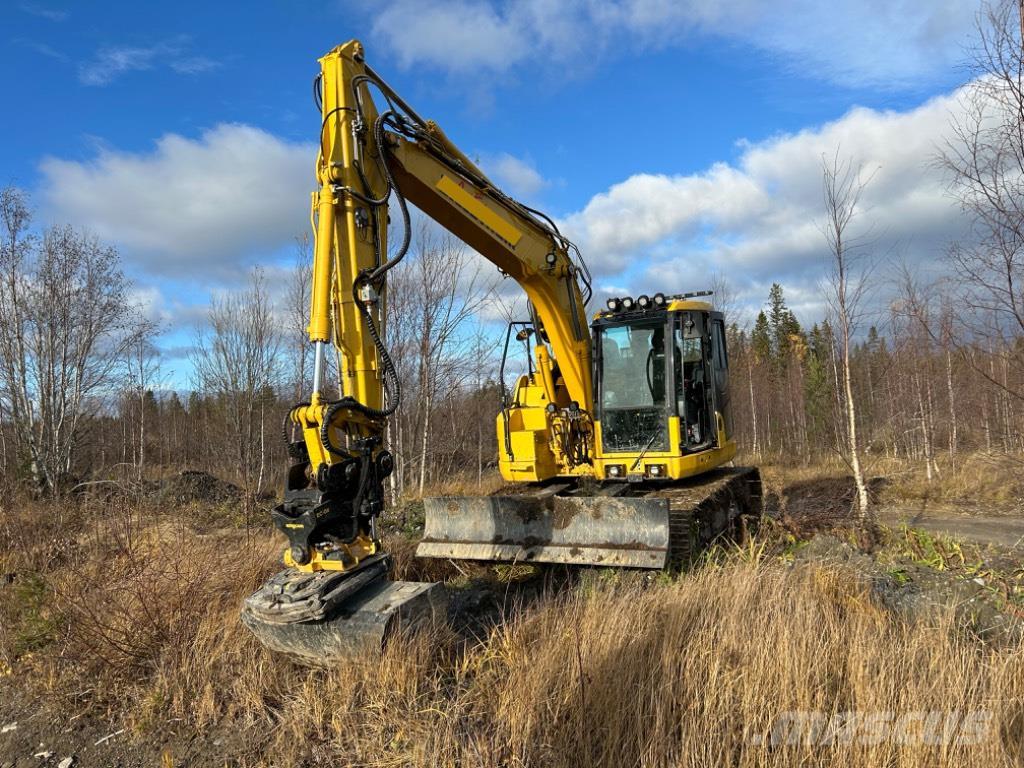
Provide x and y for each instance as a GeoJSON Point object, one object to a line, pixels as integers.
{"type": "Point", "coordinates": [660, 375]}
{"type": "Point", "coordinates": [660, 379]}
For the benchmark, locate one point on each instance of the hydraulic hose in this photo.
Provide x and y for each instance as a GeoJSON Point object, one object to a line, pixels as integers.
{"type": "Point", "coordinates": [379, 272]}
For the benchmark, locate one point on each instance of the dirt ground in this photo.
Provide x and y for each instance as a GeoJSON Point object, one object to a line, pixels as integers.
{"type": "Point", "coordinates": [36, 736]}
{"type": "Point", "coordinates": [825, 501]}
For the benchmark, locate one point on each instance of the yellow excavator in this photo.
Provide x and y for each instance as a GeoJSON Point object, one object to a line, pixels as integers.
{"type": "Point", "coordinates": [615, 443]}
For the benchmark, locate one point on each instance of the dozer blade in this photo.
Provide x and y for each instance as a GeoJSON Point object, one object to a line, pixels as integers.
{"type": "Point", "coordinates": [583, 530]}
{"type": "Point", "coordinates": [319, 619]}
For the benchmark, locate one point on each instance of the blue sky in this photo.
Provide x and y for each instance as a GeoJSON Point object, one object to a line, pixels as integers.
{"type": "Point", "coordinates": [673, 139]}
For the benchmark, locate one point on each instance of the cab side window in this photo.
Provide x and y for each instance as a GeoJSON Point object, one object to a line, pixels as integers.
{"type": "Point", "coordinates": [719, 354]}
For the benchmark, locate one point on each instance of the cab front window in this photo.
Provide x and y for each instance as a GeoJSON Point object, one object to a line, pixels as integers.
{"type": "Point", "coordinates": [632, 386]}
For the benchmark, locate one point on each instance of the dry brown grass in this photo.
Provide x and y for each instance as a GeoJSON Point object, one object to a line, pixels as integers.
{"type": "Point", "coordinates": [975, 481]}
{"type": "Point", "coordinates": [129, 605]}
{"type": "Point", "coordinates": [993, 481]}
{"type": "Point", "coordinates": [678, 674]}
{"type": "Point", "coordinates": [467, 485]}
{"type": "Point", "coordinates": [613, 672]}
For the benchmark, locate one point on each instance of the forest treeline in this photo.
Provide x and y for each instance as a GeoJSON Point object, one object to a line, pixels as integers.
{"type": "Point", "coordinates": [86, 395]}
{"type": "Point", "coordinates": [917, 393]}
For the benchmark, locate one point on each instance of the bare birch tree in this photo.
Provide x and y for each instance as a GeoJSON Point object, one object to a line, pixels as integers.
{"type": "Point", "coordinates": [843, 187]}
{"type": "Point", "coordinates": [914, 309]}
{"type": "Point", "coordinates": [432, 298]}
{"type": "Point", "coordinates": [66, 322]}
{"type": "Point", "coordinates": [236, 361]}
{"type": "Point", "coordinates": [985, 162]}
{"type": "Point", "coordinates": [142, 368]}
{"type": "Point", "coordinates": [451, 291]}
{"type": "Point", "coordinates": [297, 298]}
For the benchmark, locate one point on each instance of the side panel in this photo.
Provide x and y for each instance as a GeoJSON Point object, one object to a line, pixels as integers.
{"type": "Point", "coordinates": [529, 437]}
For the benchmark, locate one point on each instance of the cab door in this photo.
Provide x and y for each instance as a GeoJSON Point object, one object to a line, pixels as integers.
{"type": "Point", "coordinates": [719, 359]}
{"type": "Point", "coordinates": [695, 385]}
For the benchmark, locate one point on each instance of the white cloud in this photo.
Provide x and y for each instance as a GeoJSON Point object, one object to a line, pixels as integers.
{"type": "Point", "coordinates": [207, 208]}
{"type": "Point", "coordinates": [881, 43]}
{"type": "Point", "coordinates": [50, 14]}
{"type": "Point", "coordinates": [110, 63]}
{"type": "Point", "coordinates": [45, 50]}
{"type": "Point", "coordinates": [757, 221]}
{"type": "Point", "coordinates": [647, 208]}
{"type": "Point", "coordinates": [456, 35]}
{"type": "Point", "coordinates": [190, 208]}
{"type": "Point", "coordinates": [193, 65]}
{"type": "Point", "coordinates": [150, 301]}
{"type": "Point", "coordinates": [516, 176]}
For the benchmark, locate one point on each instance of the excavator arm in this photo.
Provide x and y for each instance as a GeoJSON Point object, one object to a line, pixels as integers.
{"type": "Point", "coordinates": [372, 163]}
{"type": "Point", "coordinates": [458, 196]}
{"type": "Point", "coordinates": [367, 156]}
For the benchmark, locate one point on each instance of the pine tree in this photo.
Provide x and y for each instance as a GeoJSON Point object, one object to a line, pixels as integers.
{"type": "Point", "coordinates": [785, 328]}
{"type": "Point", "coordinates": [761, 340]}
{"type": "Point", "coordinates": [819, 392]}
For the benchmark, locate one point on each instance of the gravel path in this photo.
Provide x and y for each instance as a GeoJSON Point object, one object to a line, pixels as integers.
{"type": "Point", "coordinates": [1005, 530]}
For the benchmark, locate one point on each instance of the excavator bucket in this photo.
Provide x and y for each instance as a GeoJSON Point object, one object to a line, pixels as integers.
{"type": "Point", "coordinates": [320, 618]}
{"type": "Point", "coordinates": [545, 528]}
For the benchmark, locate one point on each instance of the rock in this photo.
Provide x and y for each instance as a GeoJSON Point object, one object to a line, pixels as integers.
{"type": "Point", "coordinates": [9, 727]}
{"type": "Point", "coordinates": [45, 755]}
{"type": "Point", "coordinates": [828, 549]}
{"type": "Point", "coordinates": [924, 592]}
{"type": "Point", "coordinates": [920, 593]}
{"type": "Point", "coordinates": [67, 762]}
